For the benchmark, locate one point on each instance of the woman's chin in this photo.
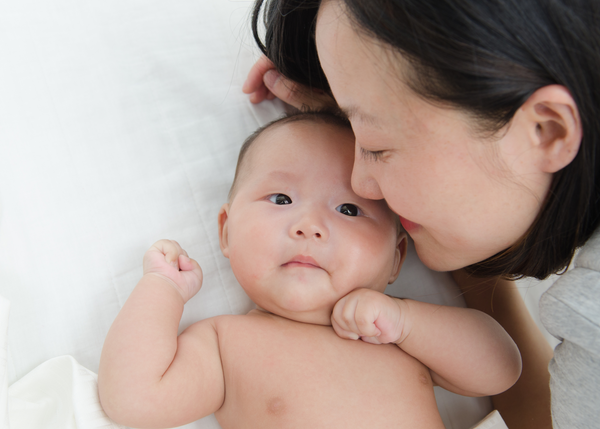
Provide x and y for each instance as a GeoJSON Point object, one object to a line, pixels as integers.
{"type": "Point", "coordinates": [437, 260]}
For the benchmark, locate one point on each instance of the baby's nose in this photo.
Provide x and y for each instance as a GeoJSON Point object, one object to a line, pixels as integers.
{"type": "Point", "coordinates": [309, 227]}
{"type": "Point", "coordinates": [316, 233]}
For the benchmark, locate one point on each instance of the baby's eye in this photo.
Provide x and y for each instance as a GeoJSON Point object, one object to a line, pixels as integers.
{"type": "Point", "coordinates": [348, 209]}
{"type": "Point", "coordinates": [280, 199]}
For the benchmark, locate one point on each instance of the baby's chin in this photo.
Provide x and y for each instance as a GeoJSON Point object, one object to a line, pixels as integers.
{"type": "Point", "coordinates": [321, 317]}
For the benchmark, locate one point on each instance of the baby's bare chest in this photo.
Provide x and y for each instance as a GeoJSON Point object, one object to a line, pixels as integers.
{"type": "Point", "coordinates": [286, 374]}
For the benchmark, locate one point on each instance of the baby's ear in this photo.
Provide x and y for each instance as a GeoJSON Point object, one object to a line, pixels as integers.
{"type": "Point", "coordinates": [223, 232]}
{"type": "Point", "coordinates": [400, 256]}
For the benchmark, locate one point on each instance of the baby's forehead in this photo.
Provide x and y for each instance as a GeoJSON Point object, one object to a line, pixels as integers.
{"type": "Point", "coordinates": [328, 135]}
{"type": "Point", "coordinates": [297, 136]}
{"type": "Point", "coordinates": [299, 129]}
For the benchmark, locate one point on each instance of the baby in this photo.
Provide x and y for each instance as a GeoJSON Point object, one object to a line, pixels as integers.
{"type": "Point", "coordinates": [316, 259]}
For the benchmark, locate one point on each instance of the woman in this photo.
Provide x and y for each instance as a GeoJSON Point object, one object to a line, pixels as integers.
{"type": "Point", "coordinates": [478, 122]}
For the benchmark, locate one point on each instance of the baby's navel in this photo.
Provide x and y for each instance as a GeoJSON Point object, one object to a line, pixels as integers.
{"type": "Point", "coordinates": [275, 406]}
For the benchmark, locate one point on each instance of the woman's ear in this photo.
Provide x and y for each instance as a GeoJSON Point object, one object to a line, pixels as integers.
{"type": "Point", "coordinates": [400, 256]}
{"type": "Point", "coordinates": [554, 125]}
{"type": "Point", "coordinates": [223, 232]}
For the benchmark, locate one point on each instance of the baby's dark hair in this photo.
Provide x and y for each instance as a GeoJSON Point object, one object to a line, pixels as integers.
{"type": "Point", "coordinates": [323, 116]}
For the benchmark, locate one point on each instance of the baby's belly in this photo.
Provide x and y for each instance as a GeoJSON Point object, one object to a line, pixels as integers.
{"type": "Point", "coordinates": [280, 375]}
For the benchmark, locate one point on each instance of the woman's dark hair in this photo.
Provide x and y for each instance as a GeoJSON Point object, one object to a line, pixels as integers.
{"type": "Point", "coordinates": [485, 57]}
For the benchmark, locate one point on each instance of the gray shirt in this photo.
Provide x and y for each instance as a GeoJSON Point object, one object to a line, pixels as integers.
{"type": "Point", "coordinates": [570, 310]}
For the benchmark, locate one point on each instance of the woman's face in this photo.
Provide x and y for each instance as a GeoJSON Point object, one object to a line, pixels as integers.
{"type": "Point", "coordinates": [461, 197]}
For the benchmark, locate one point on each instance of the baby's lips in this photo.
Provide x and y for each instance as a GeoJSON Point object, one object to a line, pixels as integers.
{"type": "Point", "coordinates": [304, 260]}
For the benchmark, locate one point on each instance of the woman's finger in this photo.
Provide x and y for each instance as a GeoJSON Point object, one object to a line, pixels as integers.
{"type": "Point", "coordinates": [264, 82]}
{"type": "Point", "coordinates": [254, 81]}
{"type": "Point", "coordinates": [294, 94]}
{"type": "Point", "coordinates": [260, 94]}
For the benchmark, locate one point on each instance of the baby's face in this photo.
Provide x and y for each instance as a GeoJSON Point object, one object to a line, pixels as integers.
{"type": "Point", "coordinates": [297, 236]}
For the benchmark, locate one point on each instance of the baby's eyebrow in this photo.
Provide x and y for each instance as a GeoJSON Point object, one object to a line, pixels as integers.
{"type": "Point", "coordinates": [281, 175]}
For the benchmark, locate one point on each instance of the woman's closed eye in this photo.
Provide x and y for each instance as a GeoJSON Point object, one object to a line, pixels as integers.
{"type": "Point", "coordinates": [371, 155]}
{"type": "Point", "coordinates": [280, 199]}
{"type": "Point", "coordinates": [349, 209]}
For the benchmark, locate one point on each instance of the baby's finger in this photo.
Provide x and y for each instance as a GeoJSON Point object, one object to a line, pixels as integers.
{"type": "Point", "coordinates": [187, 264]}
{"type": "Point", "coordinates": [371, 340]}
{"type": "Point", "coordinates": [342, 333]}
{"type": "Point", "coordinates": [192, 275]}
{"type": "Point", "coordinates": [356, 317]}
{"type": "Point", "coordinates": [365, 316]}
{"type": "Point", "coordinates": [170, 249]}
{"type": "Point", "coordinates": [343, 314]}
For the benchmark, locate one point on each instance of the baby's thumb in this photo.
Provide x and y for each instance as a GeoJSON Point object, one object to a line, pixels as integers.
{"type": "Point", "coordinates": [187, 264]}
{"type": "Point", "coordinates": [190, 270]}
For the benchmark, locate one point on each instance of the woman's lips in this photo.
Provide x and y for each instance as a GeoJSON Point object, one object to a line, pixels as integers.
{"type": "Point", "coordinates": [408, 225]}
{"type": "Point", "coordinates": [302, 261]}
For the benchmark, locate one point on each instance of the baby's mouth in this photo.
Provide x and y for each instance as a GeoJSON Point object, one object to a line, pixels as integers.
{"type": "Point", "coordinates": [302, 261]}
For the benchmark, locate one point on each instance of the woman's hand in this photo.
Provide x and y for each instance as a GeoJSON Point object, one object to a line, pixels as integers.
{"type": "Point", "coordinates": [265, 83]}
{"type": "Point", "coordinates": [169, 261]}
{"type": "Point", "coordinates": [371, 316]}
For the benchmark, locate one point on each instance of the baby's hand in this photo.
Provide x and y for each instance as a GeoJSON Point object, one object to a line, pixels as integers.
{"type": "Point", "coordinates": [371, 316]}
{"type": "Point", "coordinates": [169, 261]}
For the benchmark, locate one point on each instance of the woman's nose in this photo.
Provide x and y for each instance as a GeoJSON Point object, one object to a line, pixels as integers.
{"type": "Point", "coordinates": [363, 183]}
{"type": "Point", "coordinates": [309, 226]}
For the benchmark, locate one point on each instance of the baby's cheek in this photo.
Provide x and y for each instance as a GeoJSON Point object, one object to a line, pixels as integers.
{"type": "Point", "coordinates": [373, 261]}
{"type": "Point", "coordinates": [251, 261]}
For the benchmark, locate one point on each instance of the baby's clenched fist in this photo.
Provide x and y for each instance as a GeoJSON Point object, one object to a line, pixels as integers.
{"type": "Point", "coordinates": [371, 316]}
{"type": "Point", "coordinates": [166, 259]}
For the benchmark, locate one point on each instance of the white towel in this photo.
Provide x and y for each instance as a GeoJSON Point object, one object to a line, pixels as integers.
{"type": "Point", "coordinates": [58, 394]}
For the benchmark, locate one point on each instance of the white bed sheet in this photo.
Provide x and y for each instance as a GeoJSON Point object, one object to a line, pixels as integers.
{"type": "Point", "coordinates": [120, 123]}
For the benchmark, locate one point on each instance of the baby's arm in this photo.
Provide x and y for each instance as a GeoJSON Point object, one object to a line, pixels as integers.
{"type": "Point", "coordinates": [467, 351]}
{"type": "Point", "coordinates": [150, 377]}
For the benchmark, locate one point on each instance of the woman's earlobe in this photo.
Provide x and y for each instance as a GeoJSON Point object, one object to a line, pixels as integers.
{"type": "Point", "coordinates": [558, 131]}
{"type": "Point", "coordinates": [223, 231]}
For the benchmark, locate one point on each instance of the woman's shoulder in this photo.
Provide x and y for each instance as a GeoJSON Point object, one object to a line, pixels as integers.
{"type": "Point", "coordinates": [570, 310]}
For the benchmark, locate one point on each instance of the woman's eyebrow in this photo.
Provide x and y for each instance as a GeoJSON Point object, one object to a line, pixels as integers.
{"type": "Point", "coordinates": [354, 112]}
